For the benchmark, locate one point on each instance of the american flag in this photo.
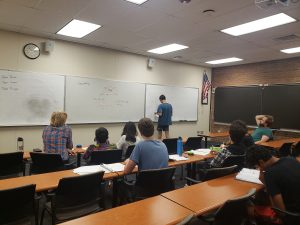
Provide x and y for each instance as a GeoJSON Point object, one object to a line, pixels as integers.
{"type": "Point", "coordinates": [205, 87]}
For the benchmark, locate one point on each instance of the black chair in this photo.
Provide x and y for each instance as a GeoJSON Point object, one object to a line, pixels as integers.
{"type": "Point", "coordinates": [11, 164]}
{"type": "Point", "coordinates": [233, 212]}
{"type": "Point", "coordinates": [46, 162]}
{"type": "Point", "coordinates": [75, 197]}
{"type": "Point", "coordinates": [285, 149]}
{"type": "Point", "coordinates": [289, 218]}
{"type": "Point", "coordinates": [151, 183]}
{"type": "Point", "coordinates": [105, 156]}
{"type": "Point", "coordinates": [212, 173]}
{"type": "Point", "coordinates": [129, 151]}
{"type": "Point", "coordinates": [186, 220]}
{"type": "Point", "coordinates": [171, 144]}
{"type": "Point", "coordinates": [193, 143]}
{"type": "Point", "coordinates": [19, 205]}
{"type": "Point", "coordinates": [239, 160]}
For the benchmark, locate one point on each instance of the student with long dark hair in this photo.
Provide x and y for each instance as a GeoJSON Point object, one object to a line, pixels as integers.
{"type": "Point", "coordinates": [129, 137]}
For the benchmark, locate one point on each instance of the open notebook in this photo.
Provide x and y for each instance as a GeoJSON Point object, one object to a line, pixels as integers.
{"type": "Point", "coordinates": [107, 168]}
{"type": "Point", "coordinates": [249, 175]}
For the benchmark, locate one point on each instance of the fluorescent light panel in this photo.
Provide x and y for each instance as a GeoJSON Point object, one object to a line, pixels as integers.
{"type": "Point", "coordinates": [291, 50]}
{"type": "Point", "coordinates": [227, 60]}
{"type": "Point", "coordinates": [261, 24]}
{"type": "Point", "coordinates": [168, 48]}
{"type": "Point", "coordinates": [139, 2]}
{"type": "Point", "coordinates": [78, 29]}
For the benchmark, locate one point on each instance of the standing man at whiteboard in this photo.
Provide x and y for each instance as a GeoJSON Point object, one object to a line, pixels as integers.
{"type": "Point", "coordinates": [164, 113]}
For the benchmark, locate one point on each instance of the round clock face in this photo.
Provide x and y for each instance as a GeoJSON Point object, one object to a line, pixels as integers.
{"type": "Point", "coordinates": [31, 51]}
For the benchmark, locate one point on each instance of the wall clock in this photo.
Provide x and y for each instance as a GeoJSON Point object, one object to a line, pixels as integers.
{"type": "Point", "coordinates": [31, 51]}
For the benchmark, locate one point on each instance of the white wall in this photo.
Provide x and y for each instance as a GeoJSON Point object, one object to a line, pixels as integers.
{"type": "Point", "coordinates": [88, 61]}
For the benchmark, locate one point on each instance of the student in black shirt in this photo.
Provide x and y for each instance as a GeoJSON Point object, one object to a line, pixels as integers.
{"type": "Point", "coordinates": [281, 177]}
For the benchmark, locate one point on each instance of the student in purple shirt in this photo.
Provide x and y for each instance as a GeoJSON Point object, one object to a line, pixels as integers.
{"type": "Point", "coordinates": [102, 143]}
{"type": "Point", "coordinates": [57, 137]}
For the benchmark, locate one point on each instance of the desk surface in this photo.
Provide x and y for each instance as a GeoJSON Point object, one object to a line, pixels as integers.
{"type": "Point", "coordinates": [152, 211]}
{"type": "Point", "coordinates": [278, 143]}
{"type": "Point", "coordinates": [214, 134]}
{"type": "Point", "coordinates": [43, 181]}
{"type": "Point", "coordinates": [191, 159]}
{"type": "Point", "coordinates": [203, 197]}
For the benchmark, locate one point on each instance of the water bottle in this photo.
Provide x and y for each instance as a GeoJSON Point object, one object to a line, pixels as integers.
{"type": "Point", "coordinates": [179, 146]}
{"type": "Point", "coordinates": [20, 144]}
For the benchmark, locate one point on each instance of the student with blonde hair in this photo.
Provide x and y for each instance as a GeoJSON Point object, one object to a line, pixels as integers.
{"type": "Point", "coordinates": [57, 137]}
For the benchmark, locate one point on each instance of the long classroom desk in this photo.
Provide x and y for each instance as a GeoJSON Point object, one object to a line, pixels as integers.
{"type": "Point", "coordinates": [191, 160]}
{"type": "Point", "coordinates": [204, 197]}
{"type": "Point", "coordinates": [151, 211]}
{"type": "Point", "coordinates": [207, 135]}
{"type": "Point", "coordinates": [276, 144]}
{"type": "Point", "coordinates": [44, 181]}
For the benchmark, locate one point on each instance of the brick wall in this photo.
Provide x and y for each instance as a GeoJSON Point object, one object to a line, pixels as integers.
{"type": "Point", "coordinates": [284, 71]}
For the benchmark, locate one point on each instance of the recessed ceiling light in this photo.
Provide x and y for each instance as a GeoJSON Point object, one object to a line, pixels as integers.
{"type": "Point", "coordinates": [227, 60]}
{"type": "Point", "coordinates": [78, 29]}
{"type": "Point", "coordinates": [168, 48]}
{"type": "Point", "coordinates": [261, 24]}
{"type": "Point", "coordinates": [291, 50]}
{"type": "Point", "coordinates": [139, 2]}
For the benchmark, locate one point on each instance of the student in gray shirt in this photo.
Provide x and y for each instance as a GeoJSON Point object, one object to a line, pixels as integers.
{"type": "Point", "coordinates": [149, 153]}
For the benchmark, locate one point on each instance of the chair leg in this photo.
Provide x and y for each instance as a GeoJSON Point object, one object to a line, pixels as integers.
{"type": "Point", "coordinates": [42, 216]}
{"type": "Point", "coordinates": [181, 174]}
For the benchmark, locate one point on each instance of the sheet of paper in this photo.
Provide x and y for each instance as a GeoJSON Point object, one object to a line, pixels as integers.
{"type": "Point", "coordinates": [177, 157]}
{"type": "Point", "coordinates": [88, 169]}
{"type": "Point", "coordinates": [202, 151]}
{"type": "Point", "coordinates": [115, 167]}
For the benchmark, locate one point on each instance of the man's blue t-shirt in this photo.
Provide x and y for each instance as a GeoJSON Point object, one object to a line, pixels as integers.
{"type": "Point", "coordinates": [260, 131]}
{"type": "Point", "coordinates": [150, 154]}
{"type": "Point", "coordinates": [166, 118]}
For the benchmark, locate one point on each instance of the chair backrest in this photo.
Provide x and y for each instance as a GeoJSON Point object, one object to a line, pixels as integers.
{"type": "Point", "coordinates": [285, 149]}
{"type": "Point", "coordinates": [238, 160]}
{"type": "Point", "coordinates": [129, 151]}
{"type": "Point", "coordinates": [154, 182]}
{"type": "Point", "coordinates": [46, 162]}
{"type": "Point", "coordinates": [171, 144]}
{"type": "Point", "coordinates": [17, 204]}
{"type": "Point", "coordinates": [11, 163]}
{"type": "Point", "coordinates": [234, 210]}
{"type": "Point", "coordinates": [193, 143]}
{"type": "Point", "coordinates": [213, 173]}
{"type": "Point", "coordinates": [78, 190]}
{"type": "Point", "coordinates": [106, 156]}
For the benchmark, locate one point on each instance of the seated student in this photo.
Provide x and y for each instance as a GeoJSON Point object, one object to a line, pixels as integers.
{"type": "Point", "coordinates": [247, 140]}
{"type": "Point", "coordinates": [281, 177]}
{"type": "Point", "coordinates": [237, 147]}
{"type": "Point", "coordinates": [296, 151]}
{"type": "Point", "coordinates": [102, 143]}
{"type": "Point", "coordinates": [263, 133]}
{"type": "Point", "coordinates": [57, 137]}
{"type": "Point", "coordinates": [149, 153]}
{"type": "Point", "coordinates": [129, 137]}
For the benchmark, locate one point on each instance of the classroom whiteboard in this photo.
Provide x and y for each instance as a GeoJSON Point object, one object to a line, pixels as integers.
{"type": "Point", "coordinates": [183, 100]}
{"type": "Point", "coordinates": [29, 98]}
{"type": "Point", "coordinates": [91, 100]}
